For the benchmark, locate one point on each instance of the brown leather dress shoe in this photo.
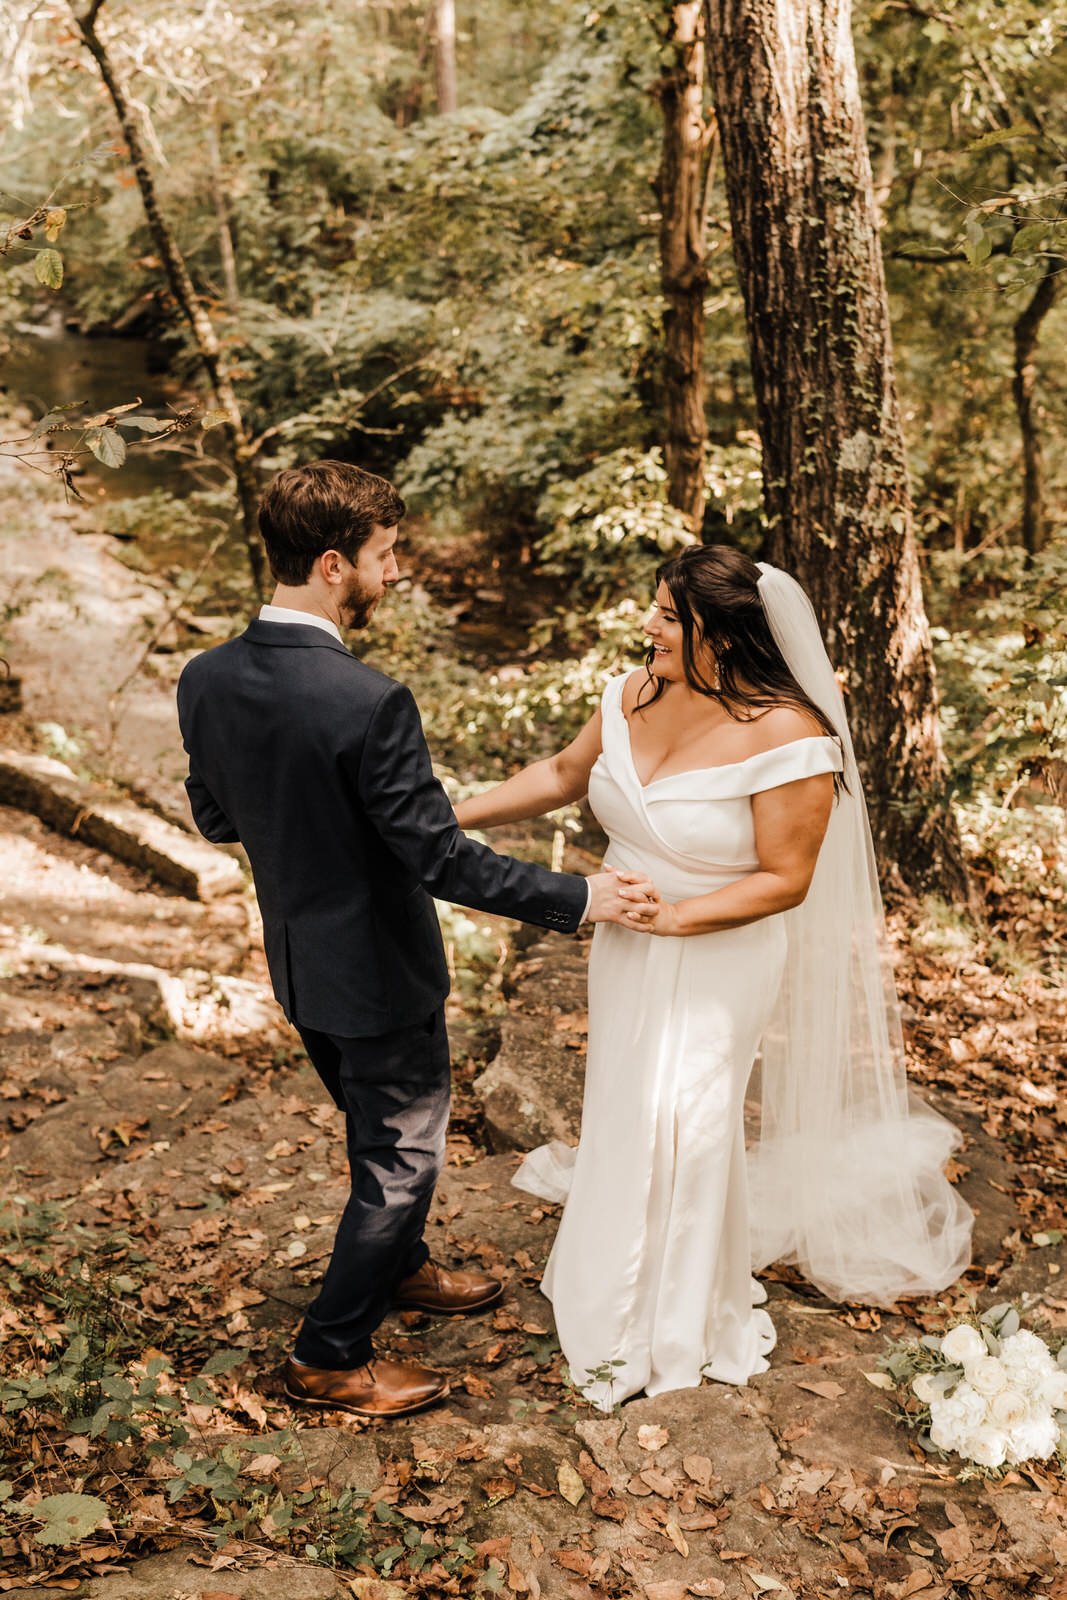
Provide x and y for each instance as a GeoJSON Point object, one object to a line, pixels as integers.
{"type": "Point", "coordinates": [435, 1288]}
{"type": "Point", "coordinates": [380, 1389]}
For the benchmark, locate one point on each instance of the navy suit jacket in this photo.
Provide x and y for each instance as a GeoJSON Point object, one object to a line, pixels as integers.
{"type": "Point", "coordinates": [318, 765]}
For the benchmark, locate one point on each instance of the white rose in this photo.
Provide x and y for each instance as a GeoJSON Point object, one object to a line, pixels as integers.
{"type": "Point", "coordinates": [952, 1420]}
{"type": "Point", "coordinates": [988, 1447]}
{"type": "Point", "coordinates": [986, 1375]}
{"type": "Point", "coordinates": [1034, 1437]}
{"type": "Point", "coordinates": [1008, 1408]}
{"type": "Point", "coordinates": [962, 1343]}
{"type": "Point", "coordinates": [1051, 1390]}
{"type": "Point", "coordinates": [970, 1405]}
{"type": "Point", "coordinates": [945, 1430]}
{"type": "Point", "coordinates": [1024, 1353]}
{"type": "Point", "coordinates": [925, 1389]}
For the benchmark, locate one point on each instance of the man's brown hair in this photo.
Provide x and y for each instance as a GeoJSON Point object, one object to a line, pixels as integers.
{"type": "Point", "coordinates": [324, 505]}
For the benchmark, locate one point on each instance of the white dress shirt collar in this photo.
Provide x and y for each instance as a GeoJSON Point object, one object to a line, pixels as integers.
{"type": "Point", "coordinates": [287, 614]}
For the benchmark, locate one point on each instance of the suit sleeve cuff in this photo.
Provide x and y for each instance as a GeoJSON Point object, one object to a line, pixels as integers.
{"type": "Point", "coordinates": [588, 904]}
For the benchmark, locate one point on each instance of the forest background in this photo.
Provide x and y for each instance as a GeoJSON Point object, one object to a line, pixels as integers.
{"type": "Point", "coordinates": [495, 264]}
{"type": "Point", "coordinates": [588, 283]}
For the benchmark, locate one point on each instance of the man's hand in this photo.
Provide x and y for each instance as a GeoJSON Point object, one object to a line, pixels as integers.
{"type": "Point", "coordinates": [628, 898]}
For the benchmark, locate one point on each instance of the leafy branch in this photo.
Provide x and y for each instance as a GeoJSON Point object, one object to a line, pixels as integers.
{"type": "Point", "coordinates": [98, 434]}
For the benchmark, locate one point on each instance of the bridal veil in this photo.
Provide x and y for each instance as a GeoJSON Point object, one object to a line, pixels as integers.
{"type": "Point", "coordinates": [846, 1178]}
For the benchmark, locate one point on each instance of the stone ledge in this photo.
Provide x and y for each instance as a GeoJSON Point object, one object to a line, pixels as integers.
{"type": "Point", "coordinates": [126, 831]}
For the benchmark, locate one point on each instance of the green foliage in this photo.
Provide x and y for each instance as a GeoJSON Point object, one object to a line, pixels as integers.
{"type": "Point", "coordinates": [965, 112]}
{"type": "Point", "coordinates": [472, 304]}
{"type": "Point", "coordinates": [100, 1383]}
{"type": "Point", "coordinates": [68, 1518]}
{"type": "Point", "coordinates": [609, 529]}
{"type": "Point", "coordinates": [1001, 645]}
{"type": "Point", "coordinates": [1003, 655]}
{"type": "Point", "coordinates": [21, 234]}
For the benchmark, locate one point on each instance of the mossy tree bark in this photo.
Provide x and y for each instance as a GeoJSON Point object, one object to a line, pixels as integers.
{"type": "Point", "coordinates": [683, 183]}
{"type": "Point", "coordinates": [181, 285]}
{"type": "Point", "coordinates": [800, 192]}
{"type": "Point", "coordinates": [1027, 331]}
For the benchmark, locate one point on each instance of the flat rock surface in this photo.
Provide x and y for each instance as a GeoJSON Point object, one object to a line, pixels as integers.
{"type": "Point", "coordinates": [111, 821]}
{"type": "Point", "coordinates": [191, 1575]}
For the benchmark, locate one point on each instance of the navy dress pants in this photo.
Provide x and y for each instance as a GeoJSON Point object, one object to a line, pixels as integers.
{"type": "Point", "coordinates": [394, 1090]}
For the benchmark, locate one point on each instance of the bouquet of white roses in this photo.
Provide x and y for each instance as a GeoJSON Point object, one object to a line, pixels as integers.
{"type": "Point", "coordinates": [989, 1390]}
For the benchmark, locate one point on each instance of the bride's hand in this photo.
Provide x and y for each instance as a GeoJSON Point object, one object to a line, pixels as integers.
{"type": "Point", "coordinates": [628, 898]}
{"type": "Point", "coordinates": [643, 916]}
{"type": "Point", "coordinates": [658, 917]}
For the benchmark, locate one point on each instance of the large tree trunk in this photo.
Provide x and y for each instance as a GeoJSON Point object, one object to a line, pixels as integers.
{"type": "Point", "coordinates": [181, 286]}
{"type": "Point", "coordinates": [682, 186]}
{"type": "Point", "coordinates": [445, 55]}
{"type": "Point", "coordinates": [798, 180]}
{"type": "Point", "coordinates": [1027, 332]}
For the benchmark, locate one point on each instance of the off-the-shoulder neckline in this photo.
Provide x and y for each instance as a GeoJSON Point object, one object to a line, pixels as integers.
{"type": "Point", "coordinates": [720, 766]}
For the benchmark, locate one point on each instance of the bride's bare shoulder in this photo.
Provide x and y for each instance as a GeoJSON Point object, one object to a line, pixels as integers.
{"type": "Point", "coordinates": [782, 724]}
{"type": "Point", "coordinates": [631, 689]}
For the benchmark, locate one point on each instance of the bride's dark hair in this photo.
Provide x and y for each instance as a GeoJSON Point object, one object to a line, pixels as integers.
{"type": "Point", "coordinates": [713, 592]}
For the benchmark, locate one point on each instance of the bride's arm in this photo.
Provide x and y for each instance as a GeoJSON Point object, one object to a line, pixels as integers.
{"type": "Point", "coordinates": [543, 786]}
{"type": "Point", "coordinates": [790, 822]}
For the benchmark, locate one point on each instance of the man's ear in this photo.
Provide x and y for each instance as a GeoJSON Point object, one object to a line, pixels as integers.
{"type": "Point", "coordinates": [331, 565]}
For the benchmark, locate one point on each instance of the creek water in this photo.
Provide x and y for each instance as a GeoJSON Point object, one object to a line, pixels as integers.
{"type": "Point", "coordinates": [50, 365]}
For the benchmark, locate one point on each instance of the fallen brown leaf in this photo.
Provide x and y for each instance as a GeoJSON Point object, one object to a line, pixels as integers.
{"type": "Point", "coordinates": [497, 1489]}
{"type": "Point", "coordinates": [435, 1510]}
{"type": "Point", "coordinates": [573, 1561]}
{"type": "Point", "coordinates": [608, 1505]}
{"type": "Point", "coordinates": [954, 1543]}
{"type": "Point", "coordinates": [677, 1538]}
{"type": "Point", "coordinates": [827, 1390]}
{"type": "Point", "coordinates": [570, 1484]}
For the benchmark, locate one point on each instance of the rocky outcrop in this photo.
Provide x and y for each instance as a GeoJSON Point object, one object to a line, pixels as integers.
{"type": "Point", "coordinates": [111, 822]}
{"type": "Point", "coordinates": [532, 1091]}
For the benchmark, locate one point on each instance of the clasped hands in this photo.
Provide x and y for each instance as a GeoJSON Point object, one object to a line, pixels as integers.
{"type": "Point", "coordinates": [628, 898]}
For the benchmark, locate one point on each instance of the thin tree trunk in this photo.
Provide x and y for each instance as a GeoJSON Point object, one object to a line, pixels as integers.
{"type": "Point", "coordinates": [410, 107]}
{"type": "Point", "coordinates": [445, 56]}
{"type": "Point", "coordinates": [798, 180]}
{"type": "Point", "coordinates": [227, 254]}
{"type": "Point", "coordinates": [181, 286]}
{"type": "Point", "coordinates": [682, 188]}
{"type": "Point", "coordinates": [1027, 331]}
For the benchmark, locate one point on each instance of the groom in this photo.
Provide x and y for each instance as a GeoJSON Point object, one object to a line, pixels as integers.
{"type": "Point", "coordinates": [316, 763]}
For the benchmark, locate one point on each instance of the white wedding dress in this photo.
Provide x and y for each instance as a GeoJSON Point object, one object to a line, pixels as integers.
{"type": "Point", "coordinates": [650, 1273]}
{"type": "Point", "coordinates": [667, 1213]}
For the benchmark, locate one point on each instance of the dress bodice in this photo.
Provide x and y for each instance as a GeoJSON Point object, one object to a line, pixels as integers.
{"type": "Point", "coordinates": [692, 831]}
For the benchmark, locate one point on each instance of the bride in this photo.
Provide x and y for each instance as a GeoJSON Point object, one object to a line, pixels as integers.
{"type": "Point", "coordinates": [725, 772]}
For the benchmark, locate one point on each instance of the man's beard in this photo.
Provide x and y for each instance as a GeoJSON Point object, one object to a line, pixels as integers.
{"type": "Point", "coordinates": [358, 605]}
